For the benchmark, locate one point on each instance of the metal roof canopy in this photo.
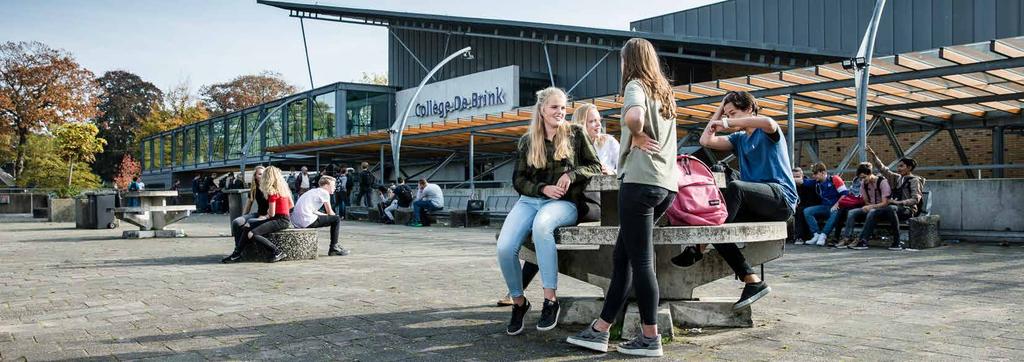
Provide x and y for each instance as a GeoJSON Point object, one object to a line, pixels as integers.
{"type": "Point", "coordinates": [977, 85]}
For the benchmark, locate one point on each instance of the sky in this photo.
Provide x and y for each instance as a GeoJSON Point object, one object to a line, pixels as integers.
{"type": "Point", "coordinates": [209, 41]}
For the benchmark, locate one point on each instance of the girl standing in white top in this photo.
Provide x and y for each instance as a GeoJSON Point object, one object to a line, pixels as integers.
{"type": "Point", "coordinates": [607, 146]}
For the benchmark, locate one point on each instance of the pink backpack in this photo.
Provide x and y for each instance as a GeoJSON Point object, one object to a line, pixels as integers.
{"type": "Point", "coordinates": [698, 202]}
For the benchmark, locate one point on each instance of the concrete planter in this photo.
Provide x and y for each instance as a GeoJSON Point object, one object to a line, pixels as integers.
{"type": "Point", "coordinates": [62, 210]}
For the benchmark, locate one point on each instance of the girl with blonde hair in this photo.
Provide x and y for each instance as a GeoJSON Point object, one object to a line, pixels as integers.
{"type": "Point", "coordinates": [588, 117]}
{"type": "Point", "coordinates": [279, 205]}
{"type": "Point", "coordinates": [260, 199]}
{"type": "Point", "coordinates": [555, 163]}
{"type": "Point", "coordinates": [647, 171]}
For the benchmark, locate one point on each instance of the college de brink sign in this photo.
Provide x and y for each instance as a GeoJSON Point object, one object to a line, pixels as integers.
{"type": "Point", "coordinates": [476, 100]}
{"type": "Point", "coordinates": [487, 92]}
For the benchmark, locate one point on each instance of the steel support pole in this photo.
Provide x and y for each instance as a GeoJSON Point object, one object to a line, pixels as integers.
{"type": "Point", "coordinates": [547, 58]}
{"type": "Point", "coordinates": [791, 130]}
{"type": "Point", "coordinates": [998, 151]}
{"type": "Point", "coordinates": [318, 162]}
{"type": "Point", "coordinates": [960, 150]}
{"type": "Point", "coordinates": [472, 182]}
{"type": "Point", "coordinates": [893, 140]}
{"type": "Point", "coordinates": [867, 48]}
{"type": "Point", "coordinates": [916, 147]}
{"type": "Point", "coordinates": [382, 165]}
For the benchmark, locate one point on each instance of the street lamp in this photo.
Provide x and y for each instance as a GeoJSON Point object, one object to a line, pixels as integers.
{"type": "Point", "coordinates": [248, 141]}
{"type": "Point", "coordinates": [399, 126]}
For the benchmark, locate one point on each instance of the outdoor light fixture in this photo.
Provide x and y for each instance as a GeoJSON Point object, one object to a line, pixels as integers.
{"type": "Point", "coordinates": [854, 63]}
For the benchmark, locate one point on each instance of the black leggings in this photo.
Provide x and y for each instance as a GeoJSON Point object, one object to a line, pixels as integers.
{"type": "Point", "coordinates": [633, 259]}
{"type": "Point", "coordinates": [751, 201]}
{"type": "Point", "coordinates": [264, 227]}
{"type": "Point", "coordinates": [334, 221]}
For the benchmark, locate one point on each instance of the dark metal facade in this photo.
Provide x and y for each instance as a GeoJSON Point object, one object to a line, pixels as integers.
{"type": "Point", "coordinates": [834, 27]}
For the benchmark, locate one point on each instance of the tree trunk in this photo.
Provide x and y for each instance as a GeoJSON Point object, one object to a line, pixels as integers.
{"type": "Point", "coordinates": [19, 162]}
{"type": "Point", "coordinates": [71, 169]}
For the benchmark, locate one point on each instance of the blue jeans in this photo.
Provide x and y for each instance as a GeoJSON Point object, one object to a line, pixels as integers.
{"type": "Point", "coordinates": [422, 206]}
{"type": "Point", "coordinates": [541, 217]}
{"type": "Point", "coordinates": [811, 214]}
{"type": "Point", "coordinates": [851, 218]}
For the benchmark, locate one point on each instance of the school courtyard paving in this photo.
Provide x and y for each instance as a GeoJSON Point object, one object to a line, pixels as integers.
{"type": "Point", "coordinates": [428, 294]}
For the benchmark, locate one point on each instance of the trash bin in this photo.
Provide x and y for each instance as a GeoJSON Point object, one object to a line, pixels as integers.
{"type": "Point", "coordinates": [94, 211]}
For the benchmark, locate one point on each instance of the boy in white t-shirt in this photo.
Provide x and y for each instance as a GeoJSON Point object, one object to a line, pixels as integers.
{"type": "Point", "coordinates": [306, 213]}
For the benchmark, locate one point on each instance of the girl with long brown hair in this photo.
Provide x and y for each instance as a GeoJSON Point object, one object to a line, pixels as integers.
{"type": "Point", "coordinates": [647, 173]}
{"type": "Point", "coordinates": [555, 163]}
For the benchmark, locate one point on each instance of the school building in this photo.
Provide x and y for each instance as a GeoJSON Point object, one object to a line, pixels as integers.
{"type": "Point", "coordinates": [947, 87]}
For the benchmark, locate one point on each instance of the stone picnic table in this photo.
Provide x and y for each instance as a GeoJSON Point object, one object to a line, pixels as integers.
{"type": "Point", "coordinates": [153, 214]}
{"type": "Point", "coordinates": [585, 253]}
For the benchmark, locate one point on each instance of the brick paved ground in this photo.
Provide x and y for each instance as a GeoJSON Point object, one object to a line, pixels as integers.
{"type": "Point", "coordinates": [427, 294]}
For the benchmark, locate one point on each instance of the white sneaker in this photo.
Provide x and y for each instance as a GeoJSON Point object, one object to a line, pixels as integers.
{"type": "Point", "coordinates": [798, 241]}
{"type": "Point", "coordinates": [813, 241]}
{"type": "Point", "coordinates": [821, 239]}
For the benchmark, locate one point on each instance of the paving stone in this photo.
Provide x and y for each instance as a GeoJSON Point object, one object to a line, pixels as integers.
{"type": "Point", "coordinates": [428, 294]}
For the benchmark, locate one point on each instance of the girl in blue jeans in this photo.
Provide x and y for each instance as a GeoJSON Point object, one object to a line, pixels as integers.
{"type": "Point", "coordinates": [555, 162]}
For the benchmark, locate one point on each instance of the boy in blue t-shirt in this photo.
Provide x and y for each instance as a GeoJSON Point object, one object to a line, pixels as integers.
{"type": "Point", "coordinates": [830, 188]}
{"type": "Point", "coordinates": [765, 191]}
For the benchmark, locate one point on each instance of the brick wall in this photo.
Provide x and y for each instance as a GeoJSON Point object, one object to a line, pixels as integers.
{"type": "Point", "coordinates": [938, 152]}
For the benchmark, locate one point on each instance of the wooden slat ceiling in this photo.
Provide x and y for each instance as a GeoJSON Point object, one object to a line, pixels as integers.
{"type": "Point", "coordinates": [902, 94]}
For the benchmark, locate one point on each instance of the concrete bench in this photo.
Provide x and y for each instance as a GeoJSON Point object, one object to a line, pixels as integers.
{"type": "Point", "coordinates": [922, 230]}
{"type": "Point", "coordinates": [299, 244]}
{"type": "Point", "coordinates": [152, 220]}
{"type": "Point", "coordinates": [585, 253]}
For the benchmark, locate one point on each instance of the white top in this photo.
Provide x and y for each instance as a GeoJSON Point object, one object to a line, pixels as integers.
{"type": "Point", "coordinates": [608, 153]}
{"type": "Point", "coordinates": [142, 185]}
{"type": "Point", "coordinates": [305, 181]}
{"type": "Point", "coordinates": [431, 193]}
{"type": "Point", "coordinates": [308, 207]}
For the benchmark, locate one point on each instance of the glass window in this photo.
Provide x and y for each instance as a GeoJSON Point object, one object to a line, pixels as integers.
{"type": "Point", "coordinates": [297, 121]}
{"type": "Point", "coordinates": [234, 130]}
{"type": "Point", "coordinates": [144, 155]}
{"type": "Point", "coordinates": [168, 159]}
{"type": "Point", "coordinates": [217, 140]}
{"type": "Point", "coordinates": [366, 111]}
{"type": "Point", "coordinates": [179, 148]}
{"type": "Point", "coordinates": [323, 116]}
{"type": "Point", "coordinates": [203, 141]}
{"type": "Point", "coordinates": [251, 121]}
{"type": "Point", "coordinates": [189, 146]}
{"type": "Point", "coordinates": [272, 128]}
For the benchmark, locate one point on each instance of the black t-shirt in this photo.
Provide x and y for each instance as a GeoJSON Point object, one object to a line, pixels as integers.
{"type": "Point", "coordinates": [261, 202]}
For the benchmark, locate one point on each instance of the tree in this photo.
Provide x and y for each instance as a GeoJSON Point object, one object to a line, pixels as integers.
{"type": "Point", "coordinates": [41, 87]}
{"type": "Point", "coordinates": [374, 78]}
{"type": "Point", "coordinates": [126, 101]}
{"type": "Point", "coordinates": [126, 170]}
{"type": "Point", "coordinates": [77, 142]}
{"type": "Point", "coordinates": [179, 108]}
{"type": "Point", "coordinates": [44, 168]}
{"type": "Point", "coordinates": [245, 91]}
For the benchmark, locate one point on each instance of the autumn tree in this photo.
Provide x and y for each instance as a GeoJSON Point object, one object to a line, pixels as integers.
{"type": "Point", "coordinates": [45, 168]}
{"type": "Point", "coordinates": [178, 108]}
{"type": "Point", "coordinates": [374, 78]}
{"type": "Point", "coordinates": [127, 169]}
{"type": "Point", "coordinates": [77, 142]}
{"type": "Point", "coordinates": [41, 87]}
{"type": "Point", "coordinates": [245, 91]}
{"type": "Point", "coordinates": [125, 103]}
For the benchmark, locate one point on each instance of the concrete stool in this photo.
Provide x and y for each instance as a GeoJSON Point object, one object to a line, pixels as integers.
{"type": "Point", "coordinates": [300, 244]}
{"type": "Point", "coordinates": [924, 232]}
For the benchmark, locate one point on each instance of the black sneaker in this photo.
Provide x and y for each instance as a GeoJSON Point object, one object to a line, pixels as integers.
{"type": "Point", "coordinates": [337, 251]}
{"type": "Point", "coordinates": [515, 325]}
{"type": "Point", "coordinates": [642, 346]}
{"type": "Point", "coordinates": [590, 338]}
{"type": "Point", "coordinates": [897, 246]}
{"type": "Point", "coordinates": [690, 255]}
{"type": "Point", "coordinates": [548, 316]}
{"type": "Point", "coordinates": [860, 245]}
{"type": "Point", "coordinates": [233, 258]}
{"type": "Point", "coordinates": [751, 293]}
{"type": "Point", "coordinates": [278, 257]}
